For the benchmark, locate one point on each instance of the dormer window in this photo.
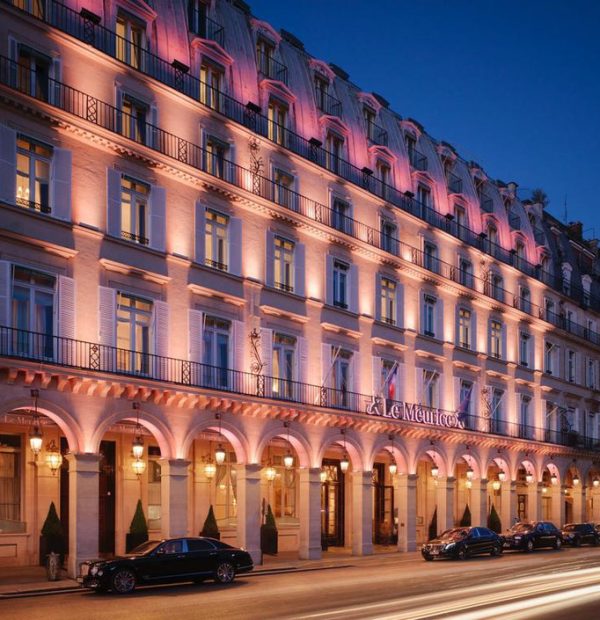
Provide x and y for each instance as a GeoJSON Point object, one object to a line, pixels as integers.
{"type": "Point", "coordinates": [334, 150]}
{"type": "Point", "coordinates": [197, 16]}
{"type": "Point", "coordinates": [321, 91]}
{"type": "Point", "coordinates": [131, 40]}
{"type": "Point", "coordinates": [424, 196]}
{"type": "Point", "coordinates": [268, 67]}
{"type": "Point", "coordinates": [369, 116]}
{"type": "Point", "coordinates": [519, 254]}
{"type": "Point", "coordinates": [277, 117]}
{"type": "Point", "coordinates": [211, 83]}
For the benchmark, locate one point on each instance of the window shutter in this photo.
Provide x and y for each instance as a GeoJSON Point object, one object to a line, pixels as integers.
{"type": "Point", "coordinates": [199, 245]}
{"type": "Point", "coordinates": [161, 326]}
{"type": "Point", "coordinates": [325, 365]}
{"type": "Point", "coordinates": [5, 295]}
{"type": "Point", "coordinates": [422, 312]}
{"type": "Point", "coordinates": [266, 357]}
{"type": "Point", "coordinates": [108, 316]}
{"type": "Point", "coordinates": [14, 55]}
{"type": "Point", "coordinates": [329, 280]}
{"type": "Point", "coordinates": [235, 246]}
{"type": "Point", "coordinates": [378, 315]}
{"type": "Point", "coordinates": [473, 330]}
{"type": "Point", "coordinates": [376, 364]}
{"type": "Point", "coordinates": [303, 360]}
{"type": "Point", "coordinates": [237, 356]}
{"type": "Point", "coordinates": [61, 184]}
{"type": "Point", "coordinates": [356, 375]}
{"type": "Point", "coordinates": [113, 203]}
{"type": "Point", "coordinates": [299, 265]}
{"type": "Point", "coordinates": [456, 381]}
{"type": "Point", "coordinates": [503, 343]}
{"type": "Point", "coordinates": [419, 396]}
{"type": "Point", "coordinates": [270, 267]}
{"type": "Point", "coordinates": [195, 335]}
{"type": "Point", "coordinates": [400, 383]}
{"type": "Point", "coordinates": [157, 217]}
{"type": "Point", "coordinates": [353, 292]}
{"type": "Point", "coordinates": [399, 305]}
{"type": "Point", "coordinates": [151, 126]}
{"type": "Point", "coordinates": [8, 164]}
{"type": "Point", "coordinates": [66, 307]}
{"type": "Point", "coordinates": [56, 75]}
{"type": "Point", "coordinates": [439, 319]}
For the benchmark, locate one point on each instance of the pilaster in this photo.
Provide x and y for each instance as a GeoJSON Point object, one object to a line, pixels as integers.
{"type": "Point", "coordinates": [310, 513]}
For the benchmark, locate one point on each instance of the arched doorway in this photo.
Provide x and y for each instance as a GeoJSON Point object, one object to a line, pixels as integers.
{"type": "Point", "coordinates": [500, 514]}
{"type": "Point", "coordinates": [433, 497]}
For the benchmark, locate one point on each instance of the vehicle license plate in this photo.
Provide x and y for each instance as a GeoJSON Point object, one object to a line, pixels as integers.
{"type": "Point", "coordinates": [435, 552]}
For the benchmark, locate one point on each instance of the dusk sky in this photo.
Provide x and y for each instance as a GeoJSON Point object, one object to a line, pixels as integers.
{"type": "Point", "coordinates": [512, 84]}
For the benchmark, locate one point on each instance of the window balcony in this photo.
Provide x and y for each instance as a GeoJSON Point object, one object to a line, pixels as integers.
{"type": "Point", "coordinates": [213, 264]}
{"type": "Point", "coordinates": [487, 204]}
{"type": "Point", "coordinates": [328, 104]}
{"type": "Point", "coordinates": [205, 27]}
{"type": "Point", "coordinates": [270, 68]}
{"type": "Point", "coordinates": [129, 236]}
{"type": "Point", "coordinates": [514, 221]}
{"type": "Point", "coordinates": [455, 184]}
{"type": "Point", "coordinates": [376, 134]}
{"type": "Point", "coordinates": [34, 206]}
{"type": "Point", "coordinates": [417, 160]}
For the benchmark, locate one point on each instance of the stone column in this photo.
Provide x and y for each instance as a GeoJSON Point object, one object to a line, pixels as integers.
{"type": "Point", "coordinates": [407, 512]}
{"type": "Point", "coordinates": [557, 500]}
{"type": "Point", "coordinates": [534, 501]}
{"type": "Point", "coordinates": [248, 509]}
{"type": "Point", "coordinates": [362, 513]}
{"type": "Point", "coordinates": [595, 513]}
{"type": "Point", "coordinates": [509, 504]}
{"type": "Point", "coordinates": [579, 496]}
{"type": "Point", "coordinates": [479, 502]}
{"type": "Point", "coordinates": [310, 513]}
{"type": "Point", "coordinates": [445, 502]}
{"type": "Point", "coordinates": [84, 509]}
{"type": "Point", "coordinates": [174, 497]}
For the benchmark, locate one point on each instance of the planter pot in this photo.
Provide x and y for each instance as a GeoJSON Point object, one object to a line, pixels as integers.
{"type": "Point", "coordinates": [268, 540]}
{"type": "Point", "coordinates": [51, 543]}
{"type": "Point", "coordinates": [133, 540]}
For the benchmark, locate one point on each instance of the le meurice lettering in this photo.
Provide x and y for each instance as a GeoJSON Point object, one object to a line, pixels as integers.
{"type": "Point", "coordinates": [410, 412]}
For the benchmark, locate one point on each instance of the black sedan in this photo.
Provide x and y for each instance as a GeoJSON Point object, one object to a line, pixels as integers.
{"type": "Point", "coordinates": [461, 542]}
{"type": "Point", "coordinates": [529, 536]}
{"type": "Point", "coordinates": [578, 534]}
{"type": "Point", "coordinates": [164, 561]}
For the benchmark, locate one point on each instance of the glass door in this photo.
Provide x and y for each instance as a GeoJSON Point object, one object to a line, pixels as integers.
{"type": "Point", "coordinates": [332, 504]}
{"type": "Point", "coordinates": [383, 508]}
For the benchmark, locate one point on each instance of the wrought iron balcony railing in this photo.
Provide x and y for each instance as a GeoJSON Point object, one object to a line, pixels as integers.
{"type": "Point", "coordinates": [108, 117]}
{"type": "Point", "coordinates": [204, 26]}
{"type": "Point", "coordinates": [376, 134]}
{"type": "Point", "coordinates": [417, 160]}
{"type": "Point", "coordinates": [487, 204]}
{"type": "Point", "coordinates": [455, 183]}
{"type": "Point", "coordinates": [328, 104]}
{"type": "Point", "coordinates": [270, 68]}
{"type": "Point", "coordinates": [28, 346]}
{"type": "Point", "coordinates": [86, 27]}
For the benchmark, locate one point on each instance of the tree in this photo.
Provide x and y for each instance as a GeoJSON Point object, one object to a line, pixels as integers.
{"type": "Point", "coordinates": [539, 196]}
{"type": "Point", "coordinates": [433, 526]}
{"type": "Point", "coordinates": [268, 533]}
{"type": "Point", "coordinates": [494, 522]}
{"type": "Point", "coordinates": [52, 536]}
{"type": "Point", "coordinates": [210, 527]}
{"type": "Point", "coordinates": [466, 518]}
{"type": "Point", "coordinates": [52, 526]}
{"type": "Point", "coordinates": [138, 529]}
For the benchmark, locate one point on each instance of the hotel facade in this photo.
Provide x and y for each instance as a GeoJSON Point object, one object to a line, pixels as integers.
{"type": "Point", "coordinates": [230, 277]}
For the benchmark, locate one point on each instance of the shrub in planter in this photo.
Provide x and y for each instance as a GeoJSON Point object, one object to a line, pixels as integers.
{"type": "Point", "coordinates": [210, 527]}
{"type": "Point", "coordinates": [52, 536]}
{"type": "Point", "coordinates": [433, 525]}
{"type": "Point", "coordinates": [138, 530]}
{"type": "Point", "coordinates": [494, 522]}
{"type": "Point", "coordinates": [268, 533]}
{"type": "Point", "coordinates": [466, 518]}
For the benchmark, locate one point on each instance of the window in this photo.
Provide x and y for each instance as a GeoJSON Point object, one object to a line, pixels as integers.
{"type": "Point", "coordinates": [33, 174]}
{"type": "Point", "coordinates": [342, 377]}
{"type": "Point", "coordinates": [334, 150]}
{"type": "Point", "coordinates": [131, 40]}
{"type": "Point", "coordinates": [497, 287]}
{"type": "Point", "coordinates": [216, 246]}
{"type": "Point", "coordinates": [465, 272]}
{"type": "Point", "coordinates": [283, 271]}
{"type": "Point", "coordinates": [154, 490]}
{"type": "Point", "coordinates": [388, 375]}
{"type": "Point", "coordinates": [464, 328]}
{"type": "Point", "coordinates": [549, 357]}
{"type": "Point", "coordinates": [216, 157]}
{"type": "Point", "coordinates": [216, 352]}
{"type": "Point", "coordinates": [430, 257]}
{"type": "Point", "coordinates": [211, 80]}
{"type": "Point", "coordinates": [284, 374]}
{"type": "Point", "coordinates": [197, 16]}
{"type": "Point", "coordinates": [571, 366]}
{"type": "Point", "coordinates": [388, 300]}
{"type": "Point", "coordinates": [283, 189]}
{"type": "Point", "coordinates": [134, 210]}
{"type": "Point", "coordinates": [492, 237]}
{"type": "Point", "coordinates": [519, 255]}
{"type": "Point", "coordinates": [133, 119]}
{"type": "Point", "coordinates": [496, 339]}
{"type": "Point", "coordinates": [424, 197]}
{"type": "Point", "coordinates": [225, 488]}
{"type": "Point", "coordinates": [429, 304]}
{"type": "Point", "coordinates": [32, 312]}
{"type": "Point", "coordinates": [430, 395]}
{"type": "Point", "coordinates": [384, 174]}
{"type": "Point", "coordinates": [496, 410]}
{"type": "Point", "coordinates": [549, 308]}
{"type": "Point", "coordinates": [340, 219]}
{"type": "Point", "coordinates": [591, 374]}
{"type": "Point", "coordinates": [460, 217]}
{"type": "Point", "coordinates": [321, 91]}
{"type": "Point", "coordinates": [340, 284]}
{"type": "Point", "coordinates": [389, 234]}
{"type": "Point", "coordinates": [466, 396]}
{"type": "Point", "coordinates": [566, 279]}
{"type": "Point", "coordinates": [277, 117]}
{"type": "Point", "coordinates": [283, 491]}
{"type": "Point", "coordinates": [369, 116]}
{"type": "Point", "coordinates": [525, 299]}
{"type": "Point", "coordinates": [524, 348]}
{"type": "Point", "coordinates": [11, 483]}
{"type": "Point", "coordinates": [134, 318]}
{"type": "Point", "coordinates": [33, 75]}
{"type": "Point", "coordinates": [524, 424]}
{"type": "Point", "coordinates": [265, 52]}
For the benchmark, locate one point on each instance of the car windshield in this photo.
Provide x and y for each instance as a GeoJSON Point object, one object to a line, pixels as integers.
{"type": "Point", "coordinates": [455, 533]}
{"type": "Point", "coordinates": [146, 547]}
{"type": "Point", "coordinates": [521, 527]}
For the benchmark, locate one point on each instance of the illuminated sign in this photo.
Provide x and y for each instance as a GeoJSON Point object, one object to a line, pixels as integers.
{"type": "Point", "coordinates": [410, 412]}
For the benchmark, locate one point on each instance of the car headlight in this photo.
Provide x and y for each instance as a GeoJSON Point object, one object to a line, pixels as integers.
{"type": "Point", "coordinates": [449, 546]}
{"type": "Point", "coordinates": [94, 570]}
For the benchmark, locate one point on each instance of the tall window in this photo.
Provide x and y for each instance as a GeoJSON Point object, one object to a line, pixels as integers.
{"type": "Point", "coordinates": [388, 300]}
{"type": "Point", "coordinates": [496, 410]}
{"type": "Point", "coordinates": [496, 339]}
{"type": "Point", "coordinates": [277, 117]}
{"type": "Point", "coordinates": [197, 15]}
{"type": "Point", "coordinates": [524, 417]}
{"type": "Point", "coordinates": [154, 490]}
{"type": "Point", "coordinates": [519, 254]}
{"type": "Point", "coordinates": [133, 119]}
{"type": "Point", "coordinates": [431, 380]}
{"type": "Point", "coordinates": [334, 149]}
{"type": "Point", "coordinates": [33, 311]}
{"type": "Point", "coordinates": [340, 219]}
{"type": "Point", "coordinates": [216, 245]}
{"type": "Point", "coordinates": [549, 309]}
{"type": "Point", "coordinates": [430, 257]}
{"type": "Point", "coordinates": [389, 233]}
{"type": "Point", "coordinates": [131, 40]}
{"type": "Point", "coordinates": [225, 482]}
{"type": "Point", "coordinates": [549, 355]}
{"type": "Point", "coordinates": [460, 217]}
{"type": "Point", "coordinates": [525, 299]}
{"type": "Point", "coordinates": [591, 374]}
{"type": "Point", "coordinates": [384, 174]}
{"type": "Point", "coordinates": [11, 483]}
{"type": "Point", "coordinates": [216, 157]}
{"type": "Point", "coordinates": [342, 378]}
{"type": "Point", "coordinates": [134, 210]}
{"type": "Point", "coordinates": [211, 79]}
{"type": "Point", "coordinates": [369, 116]}
{"type": "Point", "coordinates": [134, 318]}
{"type": "Point", "coordinates": [283, 271]}
{"type": "Point", "coordinates": [340, 284]}
{"type": "Point", "coordinates": [464, 328]}
{"type": "Point", "coordinates": [265, 53]}
{"type": "Point", "coordinates": [387, 383]}
{"type": "Point", "coordinates": [321, 91]}
{"type": "Point", "coordinates": [283, 189]}
{"type": "Point", "coordinates": [284, 488]}
{"type": "Point", "coordinates": [497, 287]}
{"type": "Point", "coordinates": [429, 304]}
{"type": "Point", "coordinates": [33, 174]}
{"type": "Point", "coordinates": [284, 356]}
{"type": "Point", "coordinates": [424, 196]}
{"type": "Point", "coordinates": [33, 75]}
{"type": "Point", "coordinates": [465, 272]}
{"type": "Point", "coordinates": [466, 395]}
{"type": "Point", "coordinates": [216, 352]}
{"type": "Point", "coordinates": [492, 237]}
{"type": "Point", "coordinates": [571, 366]}
{"type": "Point", "coordinates": [524, 339]}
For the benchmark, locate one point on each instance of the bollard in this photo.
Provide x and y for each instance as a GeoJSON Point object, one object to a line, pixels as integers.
{"type": "Point", "coordinates": [53, 566]}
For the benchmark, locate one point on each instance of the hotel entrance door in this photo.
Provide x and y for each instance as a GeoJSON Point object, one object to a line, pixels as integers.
{"type": "Point", "coordinates": [332, 504]}
{"type": "Point", "coordinates": [383, 508]}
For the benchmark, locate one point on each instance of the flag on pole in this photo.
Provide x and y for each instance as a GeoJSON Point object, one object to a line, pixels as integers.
{"type": "Point", "coordinates": [391, 383]}
{"type": "Point", "coordinates": [465, 405]}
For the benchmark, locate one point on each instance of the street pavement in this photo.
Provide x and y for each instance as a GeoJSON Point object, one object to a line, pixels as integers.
{"type": "Point", "coordinates": [545, 584]}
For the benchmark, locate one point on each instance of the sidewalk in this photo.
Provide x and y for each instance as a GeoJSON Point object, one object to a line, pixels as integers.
{"type": "Point", "coordinates": [31, 580]}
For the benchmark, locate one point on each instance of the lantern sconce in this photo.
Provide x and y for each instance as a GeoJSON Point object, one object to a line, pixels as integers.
{"type": "Point", "coordinates": [138, 466]}
{"type": "Point", "coordinates": [469, 473]}
{"type": "Point", "coordinates": [220, 451]}
{"type": "Point", "coordinates": [468, 484]}
{"type": "Point", "coordinates": [288, 459]}
{"type": "Point", "coordinates": [393, 466]}
{"type": "Point", "coordinates": [137, 445]}
{"type": "Point", "coordinates": [496, 485]}
{"type": "Point", "coordinates": [528, 477]}
{"type": "Point", "coordinates": [344, 463]}
{"type": "Point", "coordinates": [35, 434]}
{"type": "Point", "coordinates": [554, 479]}
{"type": "Point", "coordinates": [53, 457]}
{"type": "Point", "coordinates": [502, 475]}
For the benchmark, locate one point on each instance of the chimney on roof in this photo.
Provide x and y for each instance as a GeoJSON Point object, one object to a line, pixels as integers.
{"type": "Point", "coordinates": [575, 230]}
{"type": "Point", "coordinates": [512, 187]}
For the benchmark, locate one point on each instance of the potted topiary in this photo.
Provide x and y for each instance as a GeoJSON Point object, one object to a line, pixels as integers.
{"type": "Point", "coordinates": [494, 522]}
{"type": "Point", "coordinates": [433, 525]}
{"type": "Point", "coordinates": [268, 533]}
{"type": "Point", "coordinates": [466, 518]}
{"type": "Point", "coordinates": [138, 530]}
{"type": "Point", "coordinates": [210, 527]}
{"type": "Point", "coordinates": [52, 537]}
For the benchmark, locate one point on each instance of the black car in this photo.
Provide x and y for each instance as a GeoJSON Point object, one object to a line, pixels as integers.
{"type": "Point", "coordinates": [578, 534]}
{"type": "Point", "coordinates": [461, 542]}
{"type": "Point", "coordinates": [529, 536]}
{"type": "Point", "coordinates": [164, 561]}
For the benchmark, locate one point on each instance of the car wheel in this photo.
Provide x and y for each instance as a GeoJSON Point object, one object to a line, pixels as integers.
{"type": "Point", "coordinates": [558, 543]}
{"type": "Point", "coordinates": [462, 554]}
{"type": "Point", "coordinates": [123, 581]}
{"type": "Point", "coordinates": [529, 546]}
{"type": "Point", "coordinates": [496, 551]}
{"type": "Point", "coordinates": [225, 573]}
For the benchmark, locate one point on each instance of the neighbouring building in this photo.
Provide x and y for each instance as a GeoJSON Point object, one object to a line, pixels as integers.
{"type": "Point", "coordinates": [229, 277]}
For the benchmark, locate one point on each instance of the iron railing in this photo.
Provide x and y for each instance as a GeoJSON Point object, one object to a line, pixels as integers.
{"type": "Point", "coordinates": [417, 160]}
{"type": "Point", "coordinates": [271, 68]}
{"type": "Point", "coordinates": [377, 135]}
{"type": "Point", "coordinates": [204, 26]}
{"type": "Point", "coordinates": [328, 104]}
{"type": "Point", "coordinates": [455, 184]}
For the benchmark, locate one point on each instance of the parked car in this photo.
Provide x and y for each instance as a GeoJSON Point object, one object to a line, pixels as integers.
{"type": "Point", "coordinates": [578, 534]}
{"type": "Point", "coordinates": [529, 536]}
{"type": "Point", "coordinates": [460, 543]}
{"type": "Point", "coordinates": [164, 561]}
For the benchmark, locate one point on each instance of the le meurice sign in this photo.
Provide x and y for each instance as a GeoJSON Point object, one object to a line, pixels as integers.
{"type": "Point", "coordinates": [410, 412]}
